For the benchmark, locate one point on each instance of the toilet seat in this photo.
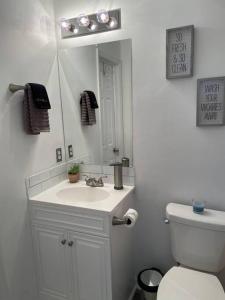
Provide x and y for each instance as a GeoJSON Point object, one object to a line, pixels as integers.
{"type": "Point", "coordinates": [180, 283]}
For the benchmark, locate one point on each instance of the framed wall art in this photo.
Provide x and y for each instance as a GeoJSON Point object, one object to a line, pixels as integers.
{"type": "Point", "coordinates": [210, 101]}
{"type": "Point", "coordinates": [179, 52]}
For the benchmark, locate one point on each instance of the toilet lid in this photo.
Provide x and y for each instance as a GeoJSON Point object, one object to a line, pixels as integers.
{"type": "Point", "coordinates": [184, 284]}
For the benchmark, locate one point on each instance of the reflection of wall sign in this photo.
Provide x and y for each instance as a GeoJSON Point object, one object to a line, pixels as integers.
{"type": "Point", "coordinates": [210, 101]}
{"type": "Point", "coordinates": [179, 52]}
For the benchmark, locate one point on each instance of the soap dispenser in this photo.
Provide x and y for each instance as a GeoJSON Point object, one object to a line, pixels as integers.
{"type": "Point", "coordinates": [118, 176]}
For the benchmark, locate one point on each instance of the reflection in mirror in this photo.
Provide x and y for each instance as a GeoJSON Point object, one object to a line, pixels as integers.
{"type": "Point", "coordinates": [102, 133]}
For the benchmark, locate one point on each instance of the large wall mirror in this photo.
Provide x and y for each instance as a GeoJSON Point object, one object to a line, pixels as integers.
{"type": "Point", "coordinates": [99, 135]}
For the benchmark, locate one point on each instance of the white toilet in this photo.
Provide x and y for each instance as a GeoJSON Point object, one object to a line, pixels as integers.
{"type": "Point", "coordinates": [198, 246]}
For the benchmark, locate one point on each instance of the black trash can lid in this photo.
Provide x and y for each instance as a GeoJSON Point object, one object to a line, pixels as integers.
{"type": "Point", "coordinates": [149, 279]}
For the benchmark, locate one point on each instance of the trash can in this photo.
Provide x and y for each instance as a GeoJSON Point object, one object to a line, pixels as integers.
{"type": "Point", "coordinates": [148, 281]}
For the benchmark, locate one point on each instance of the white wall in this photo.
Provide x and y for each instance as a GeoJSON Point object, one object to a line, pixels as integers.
{"type": "Point", "coordinates": [174, 160]}
{"type": "Point", "coordinates": [27, 54]}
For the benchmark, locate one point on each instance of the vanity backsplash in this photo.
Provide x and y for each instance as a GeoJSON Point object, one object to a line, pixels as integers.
{"type": "Point", "coordinates": [46, 179]}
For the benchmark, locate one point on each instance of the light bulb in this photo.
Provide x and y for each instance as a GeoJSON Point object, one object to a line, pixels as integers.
{"type": "Point", "coordinates": [102, 16]}
{"type": "Point", "coordinates": [112, 23]}
{"type": "Point", "coordinates": [74, 29]}
{"type": "Point", "coordinates": [83, 20]}
{"type": "Point", "coordinates": [92, 26]}
{"type": "Point", "coordinates": [65, 25]}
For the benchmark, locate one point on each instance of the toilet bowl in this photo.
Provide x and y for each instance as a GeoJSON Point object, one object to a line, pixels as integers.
{"type": "Point", "coordinates": [198, 246]}
{"type": "Point", "coordinates": [181, 283]}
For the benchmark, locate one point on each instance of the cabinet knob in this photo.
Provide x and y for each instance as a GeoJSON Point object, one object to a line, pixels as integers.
{"type": "Point", "coordinates": [63, 242]}
{"type": "Point", "coordinates": [70, 243]}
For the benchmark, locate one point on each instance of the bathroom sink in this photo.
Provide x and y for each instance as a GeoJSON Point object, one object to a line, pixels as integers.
{"type": "Point", "coordinates": [82, 194]}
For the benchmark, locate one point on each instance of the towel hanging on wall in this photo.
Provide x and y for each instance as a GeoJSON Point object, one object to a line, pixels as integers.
{"type": "Point", "coordinates": [36, 119]}
{"type": "Point", "coordinates": [40, 96]}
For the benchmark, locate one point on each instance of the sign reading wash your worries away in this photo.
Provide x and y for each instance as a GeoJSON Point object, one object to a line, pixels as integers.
{"type": "Point", "coordinates": [210, 101]}
{"type": "Point", "coordinates": [179, 52]}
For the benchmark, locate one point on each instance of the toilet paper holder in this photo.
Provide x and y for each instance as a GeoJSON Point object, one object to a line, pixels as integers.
{"type": "Point", "coordinates": [120, 221]}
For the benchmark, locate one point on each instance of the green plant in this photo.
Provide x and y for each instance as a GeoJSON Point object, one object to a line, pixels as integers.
{"type": "Point", "coordinates": [74, 169]}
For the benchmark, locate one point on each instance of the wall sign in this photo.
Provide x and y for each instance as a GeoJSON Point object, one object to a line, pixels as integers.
{"type": "Point", "coordinates": [210, 101]}
{"type": "Point", "coordinates": [179, 52]}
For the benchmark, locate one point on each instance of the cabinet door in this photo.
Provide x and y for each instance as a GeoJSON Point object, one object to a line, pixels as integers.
{"type": "Point", "coordinates": [90, 257]}
{"type": "Point", "coordinates": [51, 248]}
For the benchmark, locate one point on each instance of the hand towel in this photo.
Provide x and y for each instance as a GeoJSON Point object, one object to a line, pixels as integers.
{"type": "Point", "coordinates": [88, 116]}
{"type": "Point", "coordinates": [40, 96]}
{"type": "Point", "coordinates": [35, 120]}
{"type": "Point", "coordinates": [94, 103]}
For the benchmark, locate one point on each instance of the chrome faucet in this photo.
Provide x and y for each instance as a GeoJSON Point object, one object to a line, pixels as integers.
{"type": "Point", "coordinates": [93, 182]}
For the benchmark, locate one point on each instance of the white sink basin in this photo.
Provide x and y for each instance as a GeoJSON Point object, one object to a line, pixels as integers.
{"type": "Point", "coordinates": [82, 194]}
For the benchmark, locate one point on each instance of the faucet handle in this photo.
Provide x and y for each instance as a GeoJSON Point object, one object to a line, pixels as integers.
{"type": "Point", "coordinates": [101, 177]}
{"type": "Point", "coordinates": [86, 177]}
{"type": "Point", "coordinates": [100, 180]}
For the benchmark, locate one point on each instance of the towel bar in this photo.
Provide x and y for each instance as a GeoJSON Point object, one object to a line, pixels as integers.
{"type": "Point", "coordinates": [14, 87]}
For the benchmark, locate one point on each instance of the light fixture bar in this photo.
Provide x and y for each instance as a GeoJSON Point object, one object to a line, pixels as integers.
{"type": "Point", "coordinates": [85, 30]}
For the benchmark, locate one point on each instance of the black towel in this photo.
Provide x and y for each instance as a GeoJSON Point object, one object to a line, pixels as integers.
{"type": "Point", "coordinates": [35, 120]}
{"type": "Point", "coordinates": [88, 116]}
{"type": "Point", "coordinates": [40, 96]}
{"type": "Point", "coordinates": [94, 103]}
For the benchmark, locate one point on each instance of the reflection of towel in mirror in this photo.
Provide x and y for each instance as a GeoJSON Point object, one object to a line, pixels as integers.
{"type": "Point", "coordinates": [35, 120]}
{"type": "Point", "coordinates": [88, 116]}
{"type": "Point", "coordinates": [94, 103]}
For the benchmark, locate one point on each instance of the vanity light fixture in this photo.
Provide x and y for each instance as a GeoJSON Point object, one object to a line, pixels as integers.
{"type": "Point", "coordinates": [101, 21]}
{"type": "Point", "coordinates": [92, 26]}
{"type": "Point", "coordinates": [112, 23]}
{"type": "Point", "coordinates": [83, 20]}
{"type": "Point", "coordinates": [64, 24]}
{"type": "Point", "coordinates": [74, 29]}
{"type": "Point", "coordinates": [103, 16]}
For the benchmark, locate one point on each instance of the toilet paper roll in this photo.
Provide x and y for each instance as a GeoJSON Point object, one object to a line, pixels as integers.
{"type": "Point", "coordinates": [131, 217]}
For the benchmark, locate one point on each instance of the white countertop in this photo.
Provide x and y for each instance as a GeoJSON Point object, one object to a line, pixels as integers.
{"type": "Point", "coordinates": [106, 205]}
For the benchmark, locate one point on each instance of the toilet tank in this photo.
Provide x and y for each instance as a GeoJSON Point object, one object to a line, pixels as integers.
{"type": "Point", "coordinates": [197, 240]}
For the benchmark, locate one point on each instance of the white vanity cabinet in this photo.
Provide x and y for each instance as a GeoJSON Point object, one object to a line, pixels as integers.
{"type": "Point", "coordinates": [51, 262]}
{"type": "Point", "coordinates": [71, 265]}
{"type": "Point", "coordinates": [90, 261]}
{"type": "Point", "coordinates": [79, 254]}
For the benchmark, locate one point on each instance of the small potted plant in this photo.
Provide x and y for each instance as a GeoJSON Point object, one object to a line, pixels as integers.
{"type": "Point", "coordinates": [74, 173]}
